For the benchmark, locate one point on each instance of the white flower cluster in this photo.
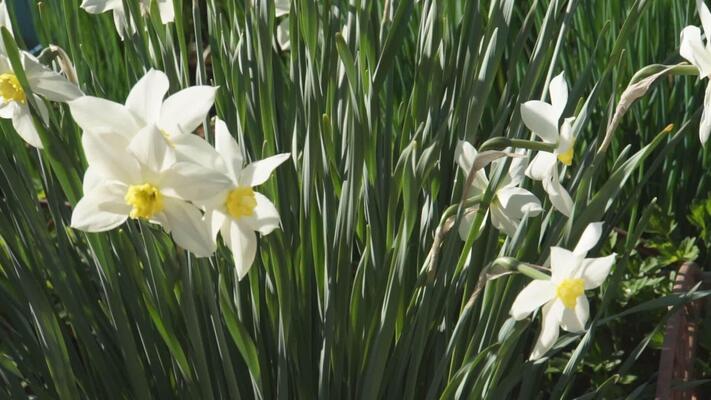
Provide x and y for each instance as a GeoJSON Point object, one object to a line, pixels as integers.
{"type": "Point", "coordinates": [146, 163]}
{"type": "Point", "coordinates": [563, 295]}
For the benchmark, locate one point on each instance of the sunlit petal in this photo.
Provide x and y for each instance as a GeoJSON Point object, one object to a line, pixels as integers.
{"type": "Point", "coordinates": [534, 295]}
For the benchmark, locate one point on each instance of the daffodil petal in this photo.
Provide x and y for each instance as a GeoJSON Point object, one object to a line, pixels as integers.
{"type": "Point", "coordinates": [541, 167]}
{"type": "Point", "coordinates": [502, 221]}
{"type": "Point", "coordinates": [282, 7]}
{"type": "Point", "coordinates": [693, 49]}
{"type": "Point", "coordinates": [534, 295]}
{"type": "Point", "coordinates": [574, 320]}
{"type": "Point", "coordinates": [146, 96]}
{"type": "Point", "coordinates": [25, 127]}
{"type": "Point", "coordinates": [559, 197]}
{"type": "Point", "coordinates": [152, 150]}
{"type": "Point", "coordinates": [100, 6]}
{"type": "Point", "coordinates": [9, 109]}
{"type": "Point", "coordinates": [589, 238]}
{"type": "Point", "coordinates": [258, 172]}
{"type": "Point", "coordinates": [558, 90]}
{"type": "Point", "coordinates": [541, 118]}
{"type": "Point", "coordinates": [47, 82]}
{"type": "Point", "coordinates": [596, 270]}
{"type": "Point", "coordinates": [465, 154]}
{"type": "Point", "coordinates": [227, 147]}
{"type": "Point", "coordinates": [283, 34]}
{"type": "Point", "coordinates": [266, 217]}
{"type": "Point", "coordinates": [123, 25]}
{"type": "Point", "coordinates": [192, 148]}
{"type": "Point", "coordinates": [97, 115]}
{"type": "Point", "coordinates": [184, 111]}
{"type": "Point", "coordinates": [243, 243]}
{"type": "Point", "coordinates": [705, 17]}
{"type": "Point", "coordinates": [550, 323]}
{"type": "Point", "coordinates": [516, 202]}
{"type": "Point", "coordinates": [468, 221]}
{"type": "Point", "coordinates": [185, 223]}
{"type": "Point", "coordinates": [567, 137]}
{"type": "Point", "coordinates": [564, 264]}
{"type": "Point", "coordinates": [91, 179]}
{"type": "Point", "coordinates": [705, 124]}
{"type": "Point", "coordinates": [101, 154]}
{"type": "Point", "coordinates": [217, 220]}
{"type": "Point", "coordinates": [5, 21]}
{"type": "Point", "coordinates": [516, 172]}
{"type": "Point", "coordinates": [166, 10]}
{"type": "Point", "coordinates": [195, 183]}
{"type": "Point", "coordinates": [101, 209]}
{"type": "Point", "coordinates": [43, 111]}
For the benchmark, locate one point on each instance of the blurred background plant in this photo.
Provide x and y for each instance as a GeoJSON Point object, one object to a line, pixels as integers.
{"type": "Point", "coordinates": [370, 98]}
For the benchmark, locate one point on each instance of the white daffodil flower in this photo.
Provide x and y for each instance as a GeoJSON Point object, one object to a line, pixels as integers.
{"type": "Point", "coordinates": [124, 25]}
{"type": "Point", "coordinates": [43, 81]}
{"type": "Point", "coordinates": [176, 117]}
{"type": "Point", "coordinates": [510, 202]}
{"type": "Point", "coordinates": [698, 54]}
{"type": "Point", "coordinates": [563, 295]}
{"type": "Point", "coordinates": [142, 179]}
{"type": "Point", "coordinates": [542, 119]}
{"type": "Point", "coordinates": [239, 212]}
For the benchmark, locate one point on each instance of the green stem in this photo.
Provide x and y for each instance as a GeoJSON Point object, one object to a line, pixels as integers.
{"type": "Point", "coordinates": [500, 143]}
{"type": "Point", "coordinates": [511, 264]}
{"type": "Point", "coordinates": [649, 70]}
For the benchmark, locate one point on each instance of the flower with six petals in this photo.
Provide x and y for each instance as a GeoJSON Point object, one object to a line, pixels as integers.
{"type": "Point", "coordinates": [238, 212]}
{"type": "Point", "coordinates": [563, 295]}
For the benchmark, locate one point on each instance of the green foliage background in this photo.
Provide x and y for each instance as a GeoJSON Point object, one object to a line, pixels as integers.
{"type": "Point", "coordinates": [344, 301]}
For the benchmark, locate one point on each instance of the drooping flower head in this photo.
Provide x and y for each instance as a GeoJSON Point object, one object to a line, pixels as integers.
{"type": "Point", "coordinates": [510, 202]}
{"type": "Point", "coordinates": [563, 295]}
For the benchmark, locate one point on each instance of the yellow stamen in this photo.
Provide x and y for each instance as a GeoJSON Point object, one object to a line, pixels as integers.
{"type": "Point", "coordinates": [567, 156]}
{"type": "Point", "coordinates": [241, 202]}
{"type": "Point", "coordinates": [146, 200]}
{"type": "Point", "coordinates": [569, 290]}
{"type": "Point", "coordinates": [10, 89]}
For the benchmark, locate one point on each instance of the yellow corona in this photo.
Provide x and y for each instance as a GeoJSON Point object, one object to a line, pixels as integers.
{"type": "Point", "coordinates": [241, 202]}
{"type": "Point", "coordinates": [569, 290]}
{"type": "Point", "coordinates": [146, 200]}
{"type": "Point", "coordinates": [10, 88]}
{"type": "Point", "coordinates": [567, 156]}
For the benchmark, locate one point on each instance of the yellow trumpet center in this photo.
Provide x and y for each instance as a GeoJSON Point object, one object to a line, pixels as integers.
{"type": "Point", "coordinates": [569, 290]}
{"type": "Point", "coordinates": [567, 156]}
{"type": "Point", "coordinates": [146, 200]}
{"type": "Point", "coordinates": [241, 202]}
{"type": "Point", "coordinates": [10, 88]}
